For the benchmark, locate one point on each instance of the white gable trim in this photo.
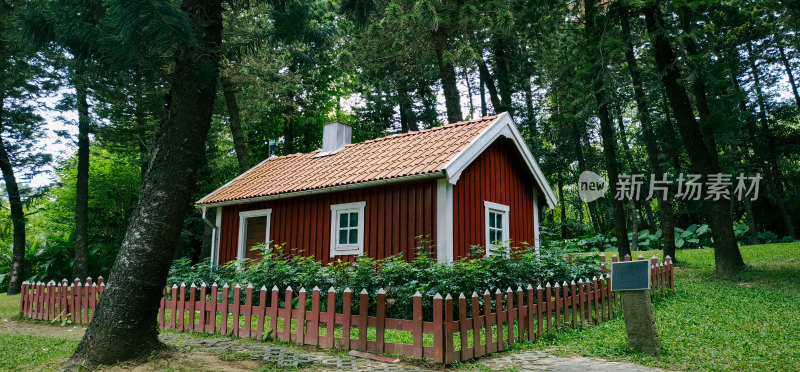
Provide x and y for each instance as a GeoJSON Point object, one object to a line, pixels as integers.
{"type": "Point", "coordinates": [502, 126]}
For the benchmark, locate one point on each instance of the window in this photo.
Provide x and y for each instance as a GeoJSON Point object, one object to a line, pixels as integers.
{"type": "Point", "coordinates": [496, 225]}
{"type": "Point", "coordinates": [253, 230]}
{"type": "Point", "coordinates": [347, 229]}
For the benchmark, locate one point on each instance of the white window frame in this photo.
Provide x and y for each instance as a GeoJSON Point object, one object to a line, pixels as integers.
{"type": "Point", "coordinates": [496, 208]}
{"type": "Point", "coordinates": [243, 216]}
{"type": "Point", "coordinates": [337, 249]}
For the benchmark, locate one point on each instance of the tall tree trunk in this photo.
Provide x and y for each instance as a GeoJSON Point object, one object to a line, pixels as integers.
{"type": "Point", "coordinates": [288, 125]}
{"type": "Point", "coordinates": [788, 67]}
{"type": "Point", "coordinates": [606, 126]}
{"type": "Point", "coordinates": [469, 95]}
{"type": "Point", "coordinates": [497, 106]}
{"type": "Point", "coordinates": [17, 213]}
{"type": "Point", "coordinates": [634, 226]}
{"type": "Point", "coordinates": [408, 119]}
{"type": "Point", "coordinates": [576, 137]}
{"type": "Point", "coordinates": [81, 267]}
{"type": "Point", "coordinates": [531, 115]}
{"type": "Point", "coordinates": [728, 259]}
{"type": "Point", "coordinates": [501, 73]}
{"type": "Point", "coordinates": [235, 123]}
{"type": "Point", "coordinates": [697, 81]}
{"type": "Point", "coordinates": [447, 73]}
{"type": "Point", "coordinates": [769, 150]}
{"type": "Point", "coordinates": [483, 94]}
{"type": "Point", "coordinates": [124, 325]}
{"type": "Point", "coordinates": [563, 206]}
{"type": "Point", "coordinates": [650, 143]}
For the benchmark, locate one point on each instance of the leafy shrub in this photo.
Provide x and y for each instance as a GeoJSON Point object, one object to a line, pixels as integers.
{"type": "Point", "coordinates": [399, 278]}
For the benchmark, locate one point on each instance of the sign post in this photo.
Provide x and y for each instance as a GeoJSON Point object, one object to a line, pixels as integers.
{"type": "Point", "coordinates": [632, 279]}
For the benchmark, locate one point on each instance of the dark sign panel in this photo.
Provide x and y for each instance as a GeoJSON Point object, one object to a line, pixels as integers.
{"type": "Point", "coordinates": [630, 275]}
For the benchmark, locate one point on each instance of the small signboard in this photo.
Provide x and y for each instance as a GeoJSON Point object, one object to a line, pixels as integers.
{"type": "Point", "coordinates": [630, 275]}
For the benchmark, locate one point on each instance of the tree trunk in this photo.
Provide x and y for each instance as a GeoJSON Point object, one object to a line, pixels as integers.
{"type": "Point", "coordinates": [81, 267]}
{"type": "Point", "coordinates": [788, 67]}
{"type": "Point", "coordinates": [650, 144]}
{"type": "Point", "coordinates": [697, 81]}
{"type": "Point", "coordinates": [483, 94]}
{"type": "Point", "coordinates": [769, 150]}
{"type": "Point", "coordinates": [469, 95]}
{"type": "Point", "coordinates": [497, 106]}
{"type": "Point", "coordinates": [447, 72]}
{"type": "Point", "coordinates": [606, 126]}
{"type": "Point", "coordinates": [728, 259]}
{"type": "Point", "coordinates": [576, 137]}
{"type": "Point", "coordinates": [531, 115]}
{"type": "Point", "coordinates": [124, 325]}
{"type": "Point", "coordinates": [235, 123]}
{"type": "Point", "coordinates": [751, 221]}
{"type": "Point", "coordinates": [408, 119]}
{"type": "Point", "coordinates": [288, 126]}
{"type": "Point", "coordinates": [501, 73]}
{"type": "Point", "coordinates": [17, 214]}
{"type": "Point", "coordinates": [634, 226]}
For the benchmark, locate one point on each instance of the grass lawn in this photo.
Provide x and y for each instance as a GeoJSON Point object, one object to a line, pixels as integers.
{"type": "Point", "coordinates": [26, 352]}
{"type": "Point", "coordinates": [751, 323]}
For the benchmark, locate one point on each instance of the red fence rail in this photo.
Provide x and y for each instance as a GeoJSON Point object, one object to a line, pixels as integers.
{"type": "Point", "coordinates": [451, 335]}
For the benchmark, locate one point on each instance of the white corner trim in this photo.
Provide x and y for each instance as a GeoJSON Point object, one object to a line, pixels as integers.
{"type": "Point", "coordinates": [502, 126]}
{"type": "Point", "coordinates": [349, 249]}
{"type": "Point", "coordinates": [243, 216]}
{"type": "Point", "coordinates": [495, 207]}
{"type": "Point", "coordinates": [215, 238]}
{"type": "Point", "coordinates": [444, 221]}
{"type": "Point", "coordinates": [536, 240]}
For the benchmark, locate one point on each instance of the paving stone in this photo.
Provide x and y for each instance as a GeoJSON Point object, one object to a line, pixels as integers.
{"type": "Point", "coordinates": [285, 358]}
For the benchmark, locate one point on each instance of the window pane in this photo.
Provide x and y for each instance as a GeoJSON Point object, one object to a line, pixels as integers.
{"type": "Point", "coordinates": [491, 219]}
{"type": "Point", "coordinates": [354, 236]}
{"type": "Point", "coordinates": [499, 222]}
{"type": "Point", "coordinates": [499, 235]}
{"type": "Point", "coordinates": [343, 220]}
{"type": "Point", "coordinates": [256, 233]}
{"type": "Point", "coordinates": [353, 219]}
{"type": "Point", "coordinates": [343, 236]}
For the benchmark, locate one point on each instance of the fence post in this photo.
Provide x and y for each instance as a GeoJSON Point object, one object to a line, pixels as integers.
{"type": "Point", "coordinates": [521, 314]}
{"type": "Point", "coordinates": [531, 331]}
{"type": "Point", "coordinates": [301, 317]}
{"type": "Point", "coordinates": [330, 323]}
{"type": "Point", "coordinates": [286, 335]}
{"type": "Point", "coordinates": [511, 315]}
{"type": "Point", "coordinates": [380, 320]}
{"type": "Point", "coordinates": [261, 312]}
{"type": "Point", "coordinates": [224, 309]}
{"type": "Point", "coordinates": [363, 307]}
{"type": "Point", "coordinates": [202, 323]}
{"type": "Point", "coordinates": [477, 348]}
{"type": "Point", "coordinates": [313, 323]}
{"type": "Point", "coordinates": [449, 351]}
{"type": "Point", "coordinates": [438, 330]}
{"type": "Point", "coordinates": [490, 321]}
{"type": "Point", "coordinates": [417, 347]}
{"type": "Point", "coordinates": [51, 299]}
{"type": "Point", "coordinates": [557, 318]}
{"type": "Point", "coordinates": [192, 299]}
{"type": "Point", "coordinates": [273, 313]}
{"type": "Point", "coordinates": [235, 309]}
{"type": "Point", "coordinates": [347, 317]}
{"type": "Point", "coordinates": [212, 321]}
{"type": "Point", "coordinates": [501, 317]}
{"type": "Point", "coordinates": [463, 327]}
{"type": "Point", "coordinates": [248, 311]}
{"type": "Point", "coordinates": [668, 261]}
{"type": "Point", "coordinates": [548, 294]}
{"type": "Point", "coordinates": [22, 298]}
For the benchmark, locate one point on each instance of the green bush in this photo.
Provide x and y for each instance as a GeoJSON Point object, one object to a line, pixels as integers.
{"type": "Point", "coordinates": [399, 278]}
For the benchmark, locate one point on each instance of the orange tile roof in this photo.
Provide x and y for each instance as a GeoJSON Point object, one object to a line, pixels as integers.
{"type": "Point", "coordinates": [400, 155]}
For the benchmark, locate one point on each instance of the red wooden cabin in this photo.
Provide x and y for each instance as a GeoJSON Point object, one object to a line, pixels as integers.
{"type": "Point", "coordinates": [467, 183]}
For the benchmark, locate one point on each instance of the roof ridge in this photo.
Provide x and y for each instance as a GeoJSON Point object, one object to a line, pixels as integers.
{"type": "Point", "coordinates": [446, 126]}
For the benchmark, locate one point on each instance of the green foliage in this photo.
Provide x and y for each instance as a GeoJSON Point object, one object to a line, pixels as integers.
{"type": "Point", "coordinates": [399, 278]}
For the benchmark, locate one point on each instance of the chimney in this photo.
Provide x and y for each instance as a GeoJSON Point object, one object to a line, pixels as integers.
{"type": "Point", "coordinates": [335, 136]}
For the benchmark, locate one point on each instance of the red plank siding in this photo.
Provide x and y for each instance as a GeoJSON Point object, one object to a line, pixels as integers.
{"type": "Point", "coordinates": [498, 175]}
{"type": "Point", "coordinates": [393, 216]}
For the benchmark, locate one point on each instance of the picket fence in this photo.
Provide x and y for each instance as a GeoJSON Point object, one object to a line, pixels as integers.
{"type": "Point", "coordinates": [453, 336]}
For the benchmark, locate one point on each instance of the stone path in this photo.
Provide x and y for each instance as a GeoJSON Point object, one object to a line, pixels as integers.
{"type": "Point", "coordinates": [541, 361]}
